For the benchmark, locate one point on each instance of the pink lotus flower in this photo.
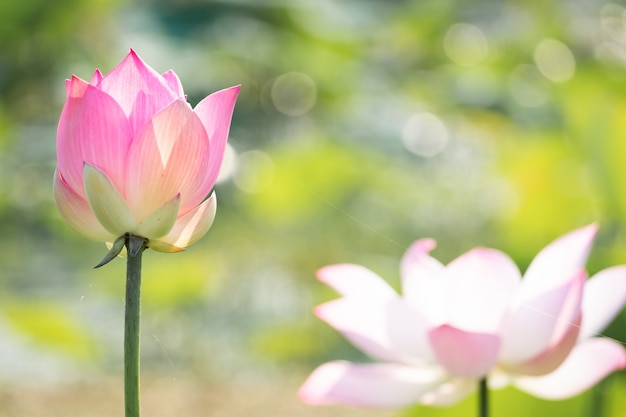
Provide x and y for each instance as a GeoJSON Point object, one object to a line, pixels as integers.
{"type": "Point", "coordinates": [471, 319]}
{"type": "Point", "coordinates": [134, 157]}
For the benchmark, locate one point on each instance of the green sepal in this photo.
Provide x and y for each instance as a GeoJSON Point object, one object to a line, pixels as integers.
{"type": "Point", "coordinates": [106, 202]}
{"type": "Point", "coordinates": [115, 250]}
{"type": "Point", "coordinates": [136, 244]}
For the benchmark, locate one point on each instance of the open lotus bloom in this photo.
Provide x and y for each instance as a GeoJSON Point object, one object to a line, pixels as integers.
{"type": "Point", "coordinates": [474, 318]}
{"type": "Point", "coordinates": [134, 157]}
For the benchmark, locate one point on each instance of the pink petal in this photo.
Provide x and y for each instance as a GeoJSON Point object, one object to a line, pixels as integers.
{"type": "Point", "coordinates": [92, 129]}
{"type": "Point", "coordinates": [76, 212]}
{"type": "Point", "coordinates": [76, 87]}
{"type": "Point", "coordinates": [189, 228]}
{"type": "Point", "coordinates": [557, 261]}
{"type": "Point", "coordinates": [371, 385]}
{"type": "Point", "coordinates": [68, 85]}
{"type": "Point", "coordinates": [215, 112]}
{"type": "Point", "coordinates": [387, 330]}
{"type": "Point", "coordinates": [349, 279]}
{"type": "Point", "coordinates": [465, 354]}
{"type": "Point", "coordinates": [539, 323]}
{"type": "Point", "coordinates": [589, 362]}
{"type": "Point", "coordinates": [422, 284]}
{"type": "Point", "coordinates": [604, 297]}
{"type": "Point", "coordinates": [174, 83]}
{"type": "Point", "coordinates": [96, 78]}
{"type": "Point", "coordinates": [140, 91]}
{"type": "Point", "coordinates": [479, 287]}
{"type": "Point", "coordinates": [168, 157]}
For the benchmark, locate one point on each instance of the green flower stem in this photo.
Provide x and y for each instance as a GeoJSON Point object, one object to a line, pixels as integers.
{"type": "Point", "coordinates": [483, 398]}
{"type": "Point", "coordinates": [135, 246]}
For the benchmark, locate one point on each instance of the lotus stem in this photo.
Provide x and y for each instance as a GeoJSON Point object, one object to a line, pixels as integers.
{"type": "Point", "coordinates": [483, 398]}
{"type": "Point", "coordinates": [135, 246]}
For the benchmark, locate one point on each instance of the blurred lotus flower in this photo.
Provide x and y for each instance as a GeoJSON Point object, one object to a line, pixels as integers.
{"type": "Point", "coordinates": [471, 319]}
{"type": "Point", "coordinates": [134, 157]}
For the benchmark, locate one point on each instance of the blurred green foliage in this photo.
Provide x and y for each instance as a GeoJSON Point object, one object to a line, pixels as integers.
{"type": "Point", "coordinates": [361, 126]}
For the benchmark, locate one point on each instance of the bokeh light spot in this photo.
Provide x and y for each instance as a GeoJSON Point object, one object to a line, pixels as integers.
{"type": "Point", "coordinates": [612, 22]}
{"type": "Point", "coordinates": [613, 34]}
{"type": "Point", "coordinates": [425, 135]}
{"type": "Point", "coordinates": [555, 60]}
{"type": "Point", "coordinates": [294, 93]}
{"type": "Point", "coordinates": [466, 44]}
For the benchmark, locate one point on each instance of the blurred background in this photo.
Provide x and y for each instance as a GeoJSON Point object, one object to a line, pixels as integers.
{"type": "Point", "coordinates": [362, 126]}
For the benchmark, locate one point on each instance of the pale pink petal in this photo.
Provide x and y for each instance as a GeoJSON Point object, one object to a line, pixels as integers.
{"type": "Point", "coordinates": [416, 260]}
{"type": "Point", "coordinates": [350, 279]}
{"type": "Point", "coordinates": [140, 91]}
{"type": "Point", "coordinates": [465, 354]}
{"type": "Point", "coordinates": [168, 157]}
{"type": "Point", "coordinates": [422, 284]}
{"type": "Point", "coordinates": [387, 330]}
{"type": "Point", "coordinates": [107, 203]}
{"type": "Point", "coordinates": [540, 322]}
{"type": "Point", "coordinates": [189, 228]}
{"type": "Point", "coordinates": [589, 362]}
{"type": "Point", "coordinates": [604, 297]}
{"type": "Point", "coordinates": [76, 212]}
{"type": "Point", "coordinates": [370, 385]}
{"type": "Point", "coordinates": [372, 316]}
{"type": "Point", "coordinates": [557, 261]}
{"type": "Point", "coordinates": [407, 331]}
{"type": "Point", "coordinates": [552, 357]}
{"type": "Point", "coordinates": [161, 246]}
{"type": "Point", "coordinates": [498, 378]}
{"type": "Point", "coordinates": [92, 129]}
{"type": "Point", "coordinates": [479, 287]}
{"type": "Point", "coordinates": [450, 392]}
{"type": "Point", "coordinates": [174, 83]}
{"type": "Point", "coordinates": [215, 112]}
